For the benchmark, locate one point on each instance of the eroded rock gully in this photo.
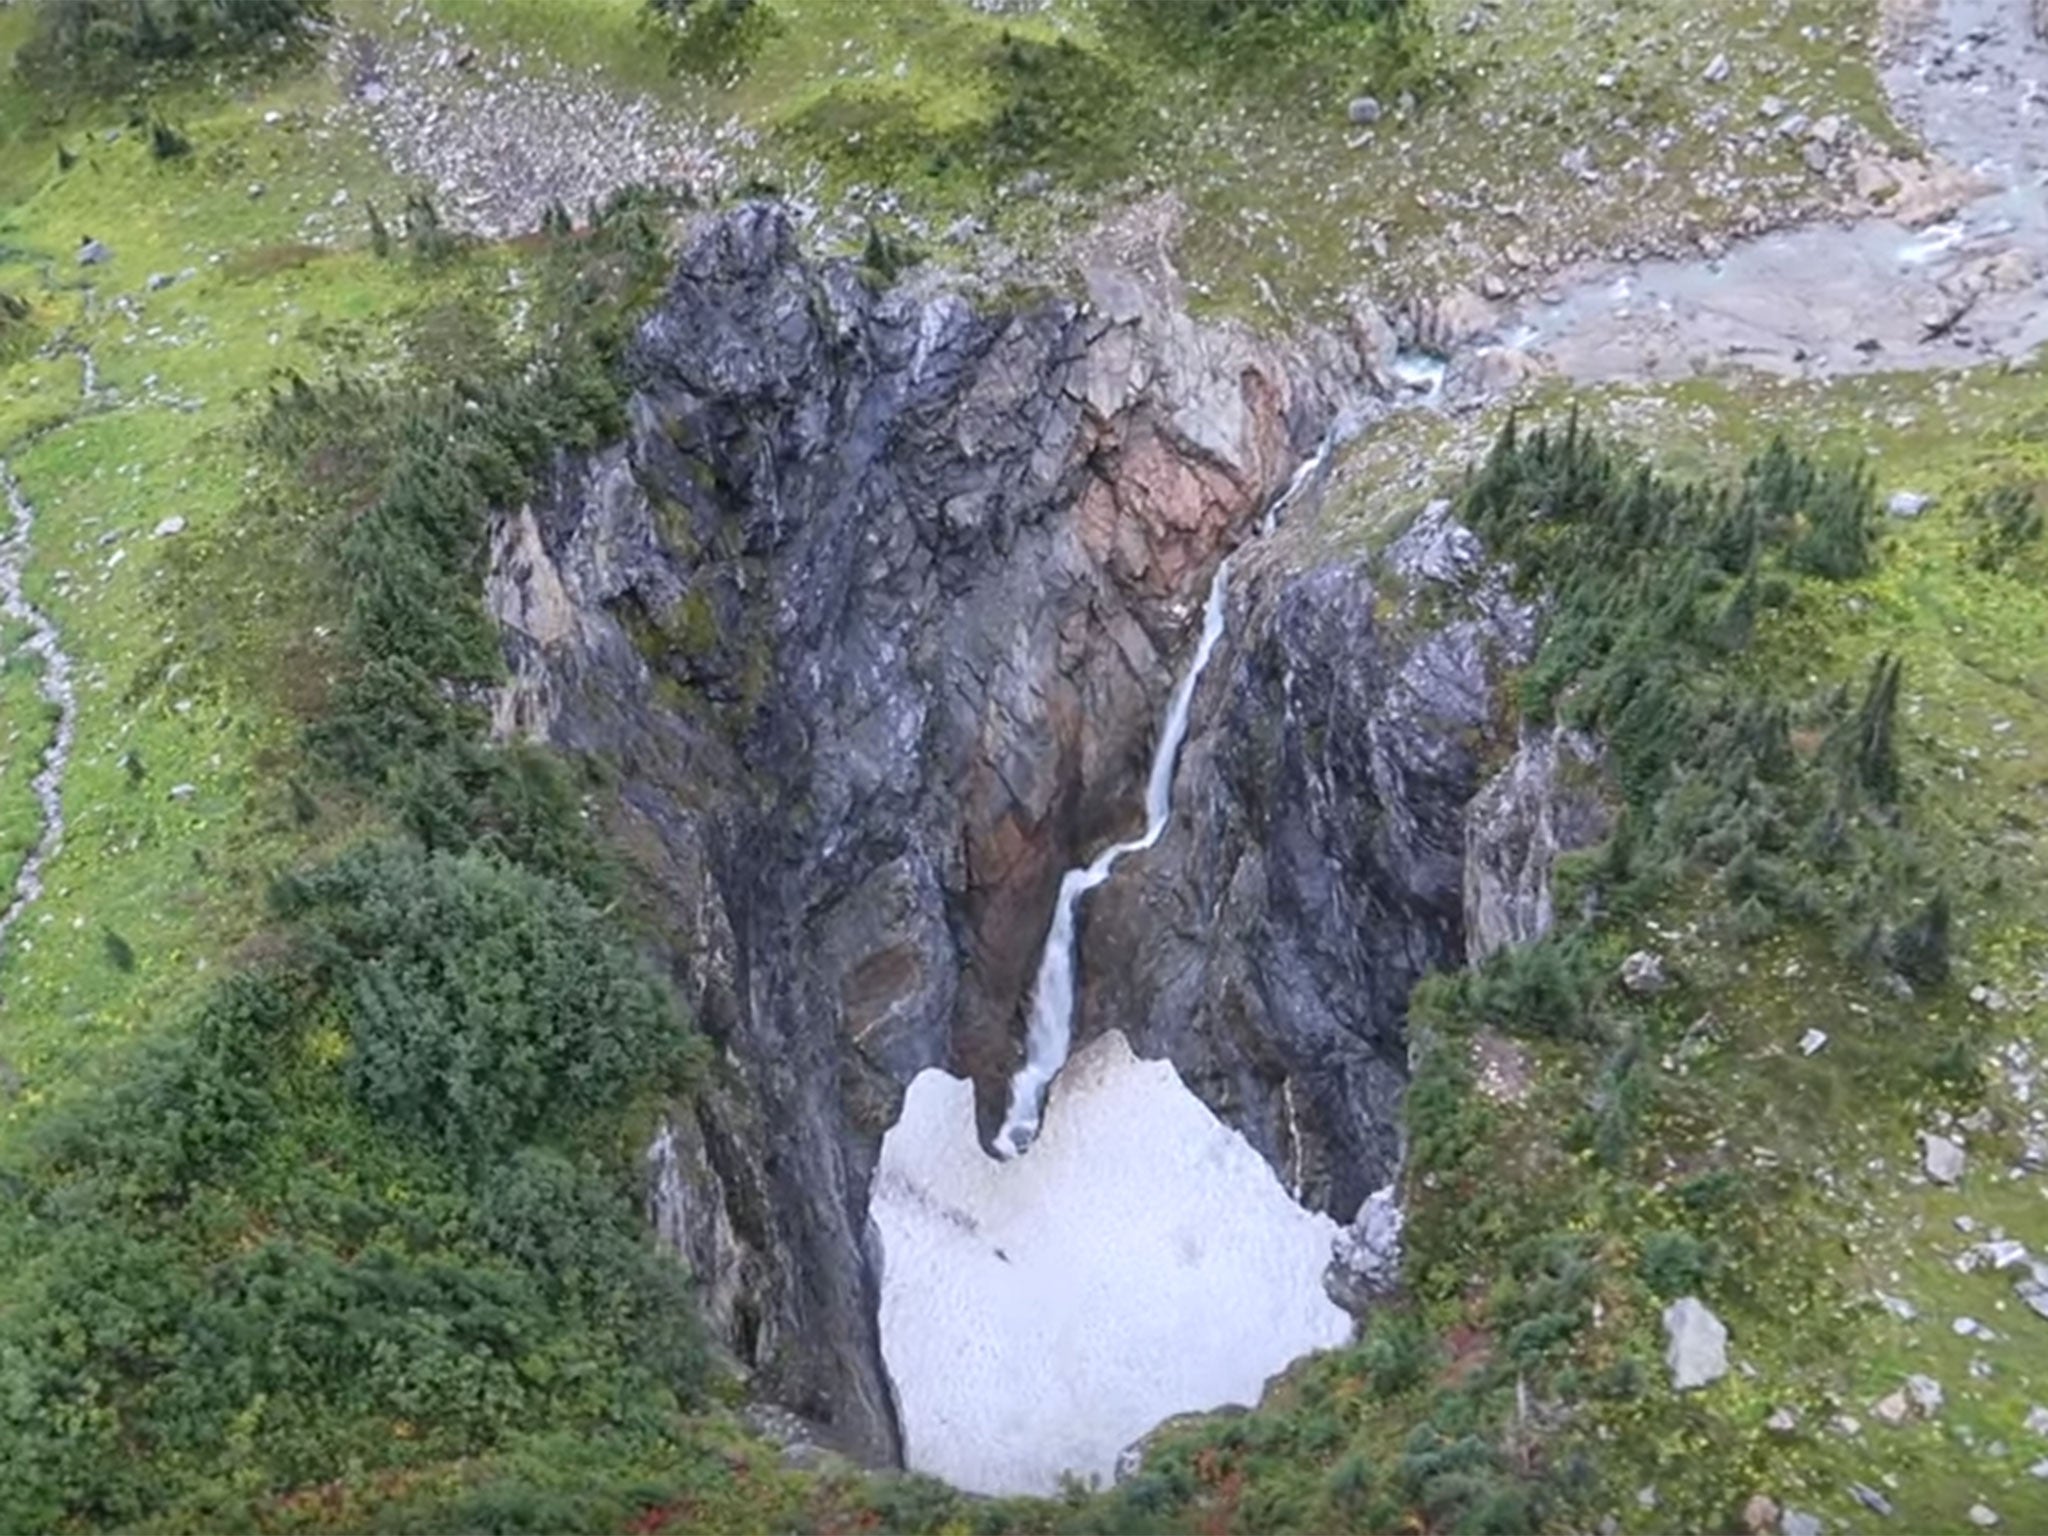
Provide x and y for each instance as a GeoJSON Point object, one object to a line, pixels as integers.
{"type": "Point", "coordinates": [870, 621]}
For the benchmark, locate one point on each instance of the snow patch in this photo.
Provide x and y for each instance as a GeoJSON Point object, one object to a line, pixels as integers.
{"type": "Point", "coordinates": [1039, 1315]}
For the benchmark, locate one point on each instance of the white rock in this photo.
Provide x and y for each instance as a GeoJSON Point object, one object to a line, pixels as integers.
{"type": "Point", "coordinates": [2037, 1420]}
{"type": "Point", "coordinates": [1983, 1516]}
{"type": "Point", "coordinates": [1926, 1394]}
{"type": "Point", "coordinates": [1783, 1421]}
{"type": "Point", "coordinates": [1942, 1158]}
{"type": "Point", "coordinates": [1812, 1041]}
{"type": "Point", "coordinates": [1891, 1410]}
{"type": "Point", "coordinates": [1899, 1307]}
{"type": "Point", "coordinates": [1643, 973]}
{"type": "Point", "coordinates": [1697, 1352]}
{"type": "Point", "coordinates": [1797, 1522]}
{"type": "Point", "coordinates": [1717, 71]}
{"type": "Point", "coordinates": [1908, 504]}
{"type": "Point", "coordinates": [184, 791]}
{"type": "Point", "coordinates": [170, 527]}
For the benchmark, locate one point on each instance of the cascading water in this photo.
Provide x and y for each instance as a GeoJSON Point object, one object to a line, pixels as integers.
{"type": "Point", "coordinates": [1052, 996]}
{"type": "Point", "coordinates": [1051, 1033]}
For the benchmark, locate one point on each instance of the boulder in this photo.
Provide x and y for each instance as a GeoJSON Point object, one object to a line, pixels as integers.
{"type": "Point", "coordinates": [1365, 1261]}
{"type": "Point", "coordinates": [1942, 1158]}
{"type": "Point", "coordinates": [1697, 1344]}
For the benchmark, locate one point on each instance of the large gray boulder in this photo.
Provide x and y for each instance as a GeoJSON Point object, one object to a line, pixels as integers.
{"type": "Point", "coordinates": [1696, 1344]}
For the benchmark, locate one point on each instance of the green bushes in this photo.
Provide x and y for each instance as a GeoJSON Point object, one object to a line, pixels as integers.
{"type": "Point", "coordinates": [485, 1005]}
{"type": "Point", "coordinates": [369, 1210]}
{"type": "Point", "coordinates": [103, 44]}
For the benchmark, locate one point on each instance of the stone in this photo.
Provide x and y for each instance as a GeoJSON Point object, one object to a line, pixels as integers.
{"type": "Point", "coordinates": [1827, 131]}
{"type": "Point", "coordinates": [1908, 503]}
{"type": "Point", "coordinates": [1969, 1328]}
{"type": "Point", "coordinates": [1812, 1041]}
{"type": "Point", "coordinates": [1899, 1307]}
{"type": "Point", "coordinates": [2034, 1292]}
{"type": "Point", "coordinates": [1364, 111]}
{"type": "Point", "coordinates": [184, 791]}
{"type": "Point", "coordinates": [2039, 1469]}
{"type": "Point", "coordinates": [1717, 70]}
{"type": "Point", "coordinates": [1891, 1410]}
{"type": "Point", "coordinates": [1870, 1499]}
{"type": "Point", "coordinates": [1760, 1514]}
{"type": "Point", "coordinates": [1697, 1350]}
{"type": "Point", "coordinates": [1941, 1158]}
{"type": "Point", "coordinates": [1797, 1522]}
{"type": "Point", "coordinates": [1365, 1259]}
{"type": "Point", "coordinates": [1643, 974]}
{"type": "Point", "coordinates": [1926, 1395]}
{"type": "Point", "coordinates": [91, 253]}
{"type": "Point", "coordinates": [1783, 1421]}
{"type": "Point", "coordinates": [1770, 107]}
{"type": "Point", "coordinates": [2037, 1421]}
{"type": "Point", "coordinates": [157, 282]}
{"type": "Point", "coordinates": [1983, 1516]}
{"type": "Point", "coordinates": [1817, 157]}
{"type": "Point", "coordinates": [170, 527]}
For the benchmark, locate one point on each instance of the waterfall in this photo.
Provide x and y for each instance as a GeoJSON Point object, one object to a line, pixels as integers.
{"type": "Point", "coordinates": [1052, 995]}
{"type": "Point", "coordinates": [1051, 1031]}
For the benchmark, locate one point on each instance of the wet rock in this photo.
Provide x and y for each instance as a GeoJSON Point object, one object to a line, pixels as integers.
{"type": "Point", "coordinates": [1697, 1344]}
{"type": "Point", "coordinates": [1364, 111]}
{"type": "Point", "coordinates": [1941, 1159]}
{"type": "Point", "coordinates": [1908, 503]}
{"type": "Point", "coordinates": [924, 571]}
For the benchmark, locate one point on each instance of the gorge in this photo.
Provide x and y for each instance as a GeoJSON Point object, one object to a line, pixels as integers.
{"type": "Point", "coordinates": [931, 565]}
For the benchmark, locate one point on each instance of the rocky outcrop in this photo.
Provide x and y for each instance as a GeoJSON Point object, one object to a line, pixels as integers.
{"type": "Point", "coordinates": [1547, 800]}
{"type": "Point", "coordinates": [869, 623]}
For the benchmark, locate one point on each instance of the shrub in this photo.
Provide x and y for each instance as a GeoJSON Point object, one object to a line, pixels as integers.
{"type": "Point", "coordinates": [1674, 1263]}
{"type": "Point", "coordinates": [485, 1005]}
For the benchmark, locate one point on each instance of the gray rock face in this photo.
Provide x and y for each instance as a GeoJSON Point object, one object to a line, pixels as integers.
{"type": "Point", "coordinates": [869, 624]}
{"type": "Point", "coordinates": [1696, 1344]}
{"type": "Point", "coordinates": [1313, 869]}
{"type": "Point", "coordinates": [870, 621]}
{"type": "Point", "coordinates": [1545, 802]}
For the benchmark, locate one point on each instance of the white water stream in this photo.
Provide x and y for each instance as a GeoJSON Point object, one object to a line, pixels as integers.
{"type": "Point", "coordinates": [1051, 1032]}
{"type": "Point", "coordinates": [40, 640]}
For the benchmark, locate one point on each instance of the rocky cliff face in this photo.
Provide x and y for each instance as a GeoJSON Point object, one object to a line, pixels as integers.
{"type": "Point", "coordinates": [1314, 869]}
{"type": "Point", "coordinates": [870, 622]}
